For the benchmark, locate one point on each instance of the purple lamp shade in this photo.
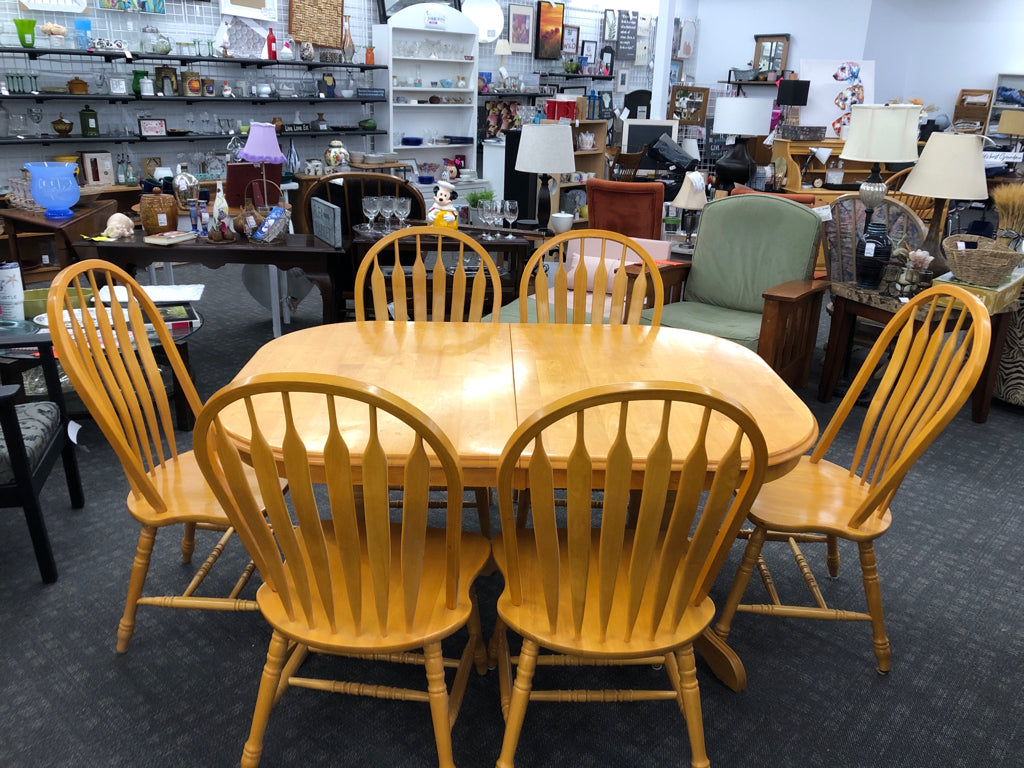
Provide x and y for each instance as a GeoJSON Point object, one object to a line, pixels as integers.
{"type": "Point", "coordinates": [262, 146]}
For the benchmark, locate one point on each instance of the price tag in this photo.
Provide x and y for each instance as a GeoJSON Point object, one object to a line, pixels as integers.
{"type": "Point", "coordinates": [869, 250]}
{"type": "Point", "coordinates": [825, 214]}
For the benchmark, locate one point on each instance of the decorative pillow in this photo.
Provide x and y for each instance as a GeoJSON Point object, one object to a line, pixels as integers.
{"type": "Point", "coordinates": [612, 256]}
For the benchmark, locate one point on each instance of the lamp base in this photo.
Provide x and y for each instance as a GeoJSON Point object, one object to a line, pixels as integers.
{"type": "Point", "coordinates": [543, 201]}
{"type": "Point", "coordinates": [735, 166]}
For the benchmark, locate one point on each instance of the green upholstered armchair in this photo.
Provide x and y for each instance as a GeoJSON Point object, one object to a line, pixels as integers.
{"type": "Point", "coordinates": [750, 281]}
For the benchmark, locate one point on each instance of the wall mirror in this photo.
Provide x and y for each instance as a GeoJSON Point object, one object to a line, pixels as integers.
{"type": "Point", "coordinates": [770, 52]}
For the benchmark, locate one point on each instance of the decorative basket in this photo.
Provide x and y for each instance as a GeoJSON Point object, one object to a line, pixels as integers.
{"type": "Point", "coordinates": [269, 232]}
{"type": "Point", "coordinates": [988, 265]}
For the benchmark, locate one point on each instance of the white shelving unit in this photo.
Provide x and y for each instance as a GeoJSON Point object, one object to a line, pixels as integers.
{"type": "Point", "coordinates": [428, 47]}
{"type": "Point", "coordinates": [999, 105]}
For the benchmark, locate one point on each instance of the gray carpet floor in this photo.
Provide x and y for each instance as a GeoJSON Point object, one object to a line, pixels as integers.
{"type": "Point", "coordinates": [952, 577]}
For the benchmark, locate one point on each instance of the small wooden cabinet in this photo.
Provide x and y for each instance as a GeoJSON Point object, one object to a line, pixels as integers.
{"type": "Point", "coordinates": [809, 177]}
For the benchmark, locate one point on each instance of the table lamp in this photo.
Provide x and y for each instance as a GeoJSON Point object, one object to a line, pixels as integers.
{"type": "Point", "coordinates": [739, 118]}
{"type": "Point", "coordinates": [878, 133]}
{"type": "Point", "coordinates": [1011, 123]}
{"type": "Point", "coordinates": [502, 48]}
{"type": "Point", "coordinates": [261, 147]}
{"type": "Point", "coordinates": [951, 168]}
{"type": "Point", "coordinates": [692, 197]}
{"type": "Point", "coordinates": [545, 149]}
{"type": "Point", "coordinates": [791, 93]}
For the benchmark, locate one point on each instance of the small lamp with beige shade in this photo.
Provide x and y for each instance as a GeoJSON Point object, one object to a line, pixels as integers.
{"type": "Point", "coordinates": [692, 197]}
{"type": "Point", "coordinates": [1011, 123]}
{"type": "Point", "coordinates": [951, 168]}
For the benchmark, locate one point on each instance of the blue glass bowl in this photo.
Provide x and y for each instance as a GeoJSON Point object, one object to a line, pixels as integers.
{"type": "Point", "coordinates": [54, 188]}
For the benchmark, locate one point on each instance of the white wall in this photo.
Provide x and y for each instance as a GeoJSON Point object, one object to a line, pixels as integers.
{"type": "Point", "coordinates": [727, 29]}
{"type": "Point", "coordinates": [930, 49]}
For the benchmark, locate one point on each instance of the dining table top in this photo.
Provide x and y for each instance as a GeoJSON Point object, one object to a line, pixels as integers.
{"type": "Point", "coordinates": [479, 381]}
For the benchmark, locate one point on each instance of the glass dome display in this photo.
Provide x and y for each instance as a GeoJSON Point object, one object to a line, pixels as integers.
{"type": "Point", "coordinates": [54, 188]}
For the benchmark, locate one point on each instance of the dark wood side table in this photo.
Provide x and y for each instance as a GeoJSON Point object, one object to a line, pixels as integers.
{"type": "Point", "coordinates": [89, 218]}
{"type": "Point", "coordinates": [850, 302]}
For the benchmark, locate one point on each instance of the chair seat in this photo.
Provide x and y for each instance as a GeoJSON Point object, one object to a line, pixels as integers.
{"type": "Point", "coordinates": [733, 324]}
{"type": "Point", "coordinates": [530, 619]}
{"type": "Point", "coordinates": [38, 421]}
{"type": "Point", "coordinates": [818, 497]}
{"type": "Point", "coordinates": [433, 620]}
{"type": "Point", "coordinates": [510, 312]}
{"type": "Point", "coordinates": [186, 493]}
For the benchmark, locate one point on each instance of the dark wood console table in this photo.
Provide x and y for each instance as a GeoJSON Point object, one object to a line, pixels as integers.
{"type": "Point", "coordinates": [329, 268]}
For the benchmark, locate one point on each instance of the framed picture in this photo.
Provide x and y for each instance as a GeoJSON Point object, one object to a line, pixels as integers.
{"type": "Point", "coordinates": [622, 80]}
{"type": "Point", "coordinates": [610, 28]}
{"type": "Point", "coordinates": [688, 105]}
{"type": "Point", "coordinates": [588, 49]}
{"type": "Point", "coordinates": [388, 8]}
{"type": "Point", "coordinates": [570, 40]}
{"type": "Point", "coordinates": [606, 64]}
{"type": "Point", "coordinates": [520, 28]}
{"type": "Point", "coordinates": [675, 71]}
{"type": "Point", "coordinates": [149, 126]}
{"type": "Point", "coordinates": [118, 85]}
{"type": "Point", "coordinates": [549, 30]}
{"type": "Point", "coordinates": [413, 165]}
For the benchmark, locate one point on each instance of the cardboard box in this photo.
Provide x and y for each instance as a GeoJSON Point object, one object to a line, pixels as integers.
{"type": "Point", "coordinates": [97, 168]}
{"type": "Point", "coordinates": [994, 299]}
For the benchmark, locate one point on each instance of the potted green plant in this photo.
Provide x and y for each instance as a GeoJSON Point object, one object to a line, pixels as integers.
{"type": "Point", "coordinates": [473, 199]}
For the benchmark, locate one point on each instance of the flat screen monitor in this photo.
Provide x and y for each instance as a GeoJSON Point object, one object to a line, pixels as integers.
{"type": "Point", "coordinates": [636, 134]}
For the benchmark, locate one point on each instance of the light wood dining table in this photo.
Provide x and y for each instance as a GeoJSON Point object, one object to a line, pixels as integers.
{"type": "Point", "coordinates": [478, 381]}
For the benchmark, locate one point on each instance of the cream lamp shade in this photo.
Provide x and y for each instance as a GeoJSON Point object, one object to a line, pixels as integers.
{"type": "Point", "coordinates": [951, 167]}
{"type": "Point", "coordinates": [692, 195]}
{"type": "Point", "coordinates": [545, 149]}
{"type": "Point", "coordinates": [882, 133]}
{"type": "Point", "coordinates": [502, 47]}
{"type": "Point", "coordinates": [743, 117]}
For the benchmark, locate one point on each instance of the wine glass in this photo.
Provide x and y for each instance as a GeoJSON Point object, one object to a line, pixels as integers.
{"type": "Point", "coordinates": [486, 216]}
{"type": "Point", "coordinates": [371, 207]}
{"type": "Point", "coordinates": [403, 207]}
{"type": "Point", "coordinates": [387, 210]}
{"type": "Point", "coordinates": [204, 118]}
{"type": "Point", "coordinates": [510, 212]}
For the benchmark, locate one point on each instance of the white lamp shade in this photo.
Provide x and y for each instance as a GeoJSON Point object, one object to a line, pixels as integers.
{"type": "Point", "coordinates": [690, 147]}
{"type": "Point", "coordinates": [951, 168]}
{"type": "Point", "coordinates": [882, 133]}
{"type": "Point", "coordinates": [692, 194]}
{"type": "Point", "coordinates": [502, 47]}
{"type": "Point", "coordinates": [546, 148]}
{"type": "Point", "coordinates": [1011, 123]}
{"type": "Point", "coordinates": [743, 117]}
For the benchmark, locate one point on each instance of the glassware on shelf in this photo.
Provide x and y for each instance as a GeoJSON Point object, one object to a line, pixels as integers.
{"type": "Point", "coordinates": [371, 207]}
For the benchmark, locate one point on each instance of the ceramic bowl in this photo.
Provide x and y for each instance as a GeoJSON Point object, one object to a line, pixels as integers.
{"type": "Point", "coordinates": [562, 222]}
{"type": "Point", "coordinates": [347, 93]}
{"type": "Point", "coordinates": [356, 157]}
{"type": "Point", "coordinates": [446, 83]}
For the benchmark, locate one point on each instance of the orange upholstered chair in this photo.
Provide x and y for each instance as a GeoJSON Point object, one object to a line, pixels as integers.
{"type": "Point", "coordinates": [629, 208]}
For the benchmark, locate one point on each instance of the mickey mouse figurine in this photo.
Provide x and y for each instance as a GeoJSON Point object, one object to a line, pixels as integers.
{"type": "Point", "coordinates": [442, 213]}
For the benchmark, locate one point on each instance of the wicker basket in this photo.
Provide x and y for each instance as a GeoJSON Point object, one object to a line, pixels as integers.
{"type": "Point", "coordinates": [989, 265]}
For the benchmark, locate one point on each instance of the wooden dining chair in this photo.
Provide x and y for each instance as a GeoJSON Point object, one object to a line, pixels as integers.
{"type": "Point", "coordinates": [626, 164]}
{"type": "Point", "coordinates": [445, 275]}
{"type": "Point", "coordinates": [347, 190]}
{"type": "Point", "coordinates": [937, 344]}
{"type": "Point", "coordinates": [341, 576]}
{"type": "Point", "coordinates": [110, 360]}
{"type": "Point", "coordinates": [588, 263]}
{"type": "Point", "coordinates": [593, 585]}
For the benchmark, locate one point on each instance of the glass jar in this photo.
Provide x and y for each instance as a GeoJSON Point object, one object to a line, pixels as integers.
{"type": "Point", "coordinates": [158, 212]}
{"type": "Point", "coordinates": [89, 121]}
{"type": "Point", "coordinates": [154, 41]}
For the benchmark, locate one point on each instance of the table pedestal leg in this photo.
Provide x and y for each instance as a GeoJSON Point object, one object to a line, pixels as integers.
{"type": "Point", "coordinates": [724, 661]}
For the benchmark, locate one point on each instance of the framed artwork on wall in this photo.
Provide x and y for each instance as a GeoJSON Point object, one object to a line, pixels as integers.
{"type": "Point", "coordinates": [606, 65]}
{"type": "Point", "coordinates": [610, 28]}
{"type": "Point", "coordinates": [589, 49]}
{"type": "Point", "coordinates": [152, 127]}
{"type": "Point", "coordinates": [622, 80]}
{"type": "Point", "coordinates": [688, 105]}
{"type": "Point", "coordinates": [675, 71]}
{"type": "Point", "coordinates": [549, 30]}
{"type": "Point", "coordinates": [570, 40]}
{"type": "Point", "coordinates": [520, 28]}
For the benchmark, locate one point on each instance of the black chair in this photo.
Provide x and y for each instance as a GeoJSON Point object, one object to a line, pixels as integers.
{"type": "Point", "coordinates": [35, 433]}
